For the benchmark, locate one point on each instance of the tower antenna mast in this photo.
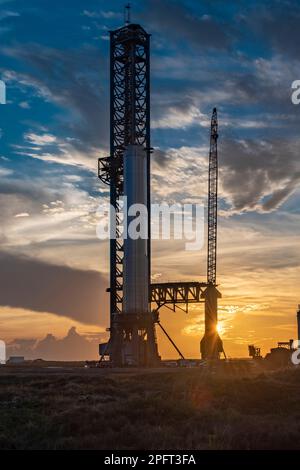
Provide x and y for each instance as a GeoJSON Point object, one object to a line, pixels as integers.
{"type": "Point", "coordinates": [127, 14]}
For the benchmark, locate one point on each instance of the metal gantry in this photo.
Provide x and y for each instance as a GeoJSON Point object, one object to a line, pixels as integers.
{"type": "Point", "coordinates": [129, 125]}
{"type": "Point", "coordinates": [173, 294]}
{"type": "Point", "coordinates": [212, 201]}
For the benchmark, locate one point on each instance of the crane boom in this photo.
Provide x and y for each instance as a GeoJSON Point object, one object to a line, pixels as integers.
{"type": "Point", "coordinates": [211, 345]}
{"type": "Point", "coordinates": [213, 201]}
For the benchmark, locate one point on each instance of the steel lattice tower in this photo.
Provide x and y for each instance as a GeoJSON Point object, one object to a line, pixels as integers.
{"type": "Point", "coordinates": [211, 345]}
{"type": "Point", "coordinates": [212, 201]}
{"type": "Point", "coordinates": [129, 126]}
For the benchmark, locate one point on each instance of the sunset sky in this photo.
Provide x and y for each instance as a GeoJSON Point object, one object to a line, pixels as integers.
{"type": "Point", "coordinates": [241, 57]}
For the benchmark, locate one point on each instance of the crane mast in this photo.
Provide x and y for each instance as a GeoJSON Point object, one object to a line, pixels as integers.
{"type": "Point", "coordinates": [211, 345]}
{"type": "Point", "coordinates": [213, 200]}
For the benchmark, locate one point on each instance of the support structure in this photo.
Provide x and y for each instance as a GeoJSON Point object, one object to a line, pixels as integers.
{"type": "Point", "coordinates": [211, 344]}
{"type": "Point", "coordinates": [212, 219]}
{"type": "Point", "coordinates": [177, 294]}
{"type": "Point", "coordinates": [132, 331]}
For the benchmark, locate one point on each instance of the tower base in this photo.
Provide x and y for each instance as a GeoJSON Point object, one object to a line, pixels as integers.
{"type": "Point", "coordinates": [133, 341]}
{"type": "Point", "coordinates": [211, 346]}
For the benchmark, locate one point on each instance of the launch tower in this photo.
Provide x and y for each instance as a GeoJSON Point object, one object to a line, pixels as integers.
{"type": "Point", "coordinates": [127, 171]}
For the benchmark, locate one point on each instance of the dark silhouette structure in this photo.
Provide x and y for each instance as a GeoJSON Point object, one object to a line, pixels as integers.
{"type": "Point", "coordinates": [127, 171]}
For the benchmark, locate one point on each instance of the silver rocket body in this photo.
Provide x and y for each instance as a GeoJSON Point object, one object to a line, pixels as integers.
{"type": "Point", "coordinates": [136, 256]}
{"type": "Point", "coordinates": [134, 329]}
{"type": "Point", "coordinates": [127, 171]}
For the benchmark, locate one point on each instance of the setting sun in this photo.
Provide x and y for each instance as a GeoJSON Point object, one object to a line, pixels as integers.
{"type": "Point", "coordinates": [220, 328]}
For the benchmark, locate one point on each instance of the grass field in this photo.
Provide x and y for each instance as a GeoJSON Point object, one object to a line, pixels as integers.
{"type": "Point", "coordinates": [160, 409]}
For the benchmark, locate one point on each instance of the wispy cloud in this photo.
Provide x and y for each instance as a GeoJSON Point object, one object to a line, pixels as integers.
{"type": "Point", "coordinates": [59, 79]}
{"type": "Point", "coordinates": [8, 14]}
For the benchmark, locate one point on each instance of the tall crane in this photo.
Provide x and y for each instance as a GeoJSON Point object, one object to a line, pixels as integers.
{"type": "Point", "coordinates": [211, 345]}
{"type": "Point", "coordinates": [212, 201]}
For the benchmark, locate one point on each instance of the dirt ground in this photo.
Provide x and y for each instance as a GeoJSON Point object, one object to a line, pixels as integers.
{"type": "Point", "coordinates": [235, 406]}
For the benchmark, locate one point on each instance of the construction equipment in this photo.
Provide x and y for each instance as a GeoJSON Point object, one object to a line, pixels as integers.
{"type": "Point", "coordinates": [280, 356]}
{"type": "Point", "coordinates": [212, 220]}
{"type": "Point", "coordinates": [254, 352]}
{"type": "Point", "coordinates": [211, 345]}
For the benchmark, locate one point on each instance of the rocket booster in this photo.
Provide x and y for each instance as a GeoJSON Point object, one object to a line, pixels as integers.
{"type": "Point", "coordinates": [136, 257]}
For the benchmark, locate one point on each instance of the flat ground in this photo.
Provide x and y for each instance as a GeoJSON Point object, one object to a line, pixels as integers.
{"type": "Point", "coordinates": [235, 407]}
